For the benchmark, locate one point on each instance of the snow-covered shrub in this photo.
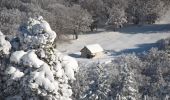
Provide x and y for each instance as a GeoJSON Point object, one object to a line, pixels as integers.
{"type": "Point", "coordinates": [36, 71]}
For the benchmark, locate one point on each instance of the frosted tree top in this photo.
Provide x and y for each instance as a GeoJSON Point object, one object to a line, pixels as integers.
{"type": "Point", "coordinates": [36, 33]}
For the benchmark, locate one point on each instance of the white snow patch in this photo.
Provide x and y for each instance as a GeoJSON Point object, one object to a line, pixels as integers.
{"type": "Point", "coordinates": [70, 66]}
{"type": "Point", "coordinates": [94, 48]}
{"type": "Point", "coordinates": [14, 73]}
{"type": "Point", "coordinates": [5, 45]}
{"type": "Point", "coordinates": [10, 70]}
{"type": "Point", "coordinates": [17, 74]}
{"type": "Point", "coordinates": [16, 56]}
{"type": "Point", "coordinates": [30, 59]}
{"type": "Point", "coordinates": [44, 77]}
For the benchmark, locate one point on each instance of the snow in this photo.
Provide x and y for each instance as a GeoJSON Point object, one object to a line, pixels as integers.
{"type": "Point", "coordinates": [70, 66]}
{"type": "Point", "coordinates": [26, 58]}
{"type": "Point", "coordinates": [69, 72]}
{"type": "Point", "coordinates": [70, 61]}
{"type": "Point", "coordinates": [16, 56]}
{"type": "Point", "coordinates": [14, 73]}
{"type": "Point", "coordinates": [17, 74]}
{"type": "Point", "coordinates": [37, 69]}
{"type": "Point", "coordinates": [43, 77]}
{"type": "Point", "coordinates": [94, 48]}
{"type": "Point", "coordinates": [37, 32]}
{"type": "Point", "coordinates": [46, 27]}
{"type": "Point", "coordinates": [59, 70]}
{"type": "Point", "coordinates": [131, 89]}
{"type": "Point", "coordinates": [126, 40]}
{"type": "Point", "coordinates": [5, 45]}
{"type": "Point", "coordinates": [10, 70]}
{"type": "Point", "coordinates": [50, 76]}
{"type": "Point", "coordinates": [30, 59]}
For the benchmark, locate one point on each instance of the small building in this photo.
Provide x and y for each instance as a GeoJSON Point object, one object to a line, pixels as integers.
{"type": "Point", "coordinates": [92, 51]}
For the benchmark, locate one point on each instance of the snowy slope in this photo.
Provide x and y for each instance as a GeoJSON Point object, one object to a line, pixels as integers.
{"type": "Point", "coordinates": [127, 40]}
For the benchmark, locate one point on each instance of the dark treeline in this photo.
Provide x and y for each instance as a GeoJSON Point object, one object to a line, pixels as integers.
{"type": "Point", "coordinates": [68, 16]}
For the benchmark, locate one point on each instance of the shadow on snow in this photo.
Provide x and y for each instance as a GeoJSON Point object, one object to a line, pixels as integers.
{"type": "Point", "coordinates": [139, 49]}
{"type": "Point", "coordinates": [155, 28]}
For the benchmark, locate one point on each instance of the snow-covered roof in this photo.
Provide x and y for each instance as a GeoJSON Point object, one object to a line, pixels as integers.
{"type": "Point", "coordinates": [94, 48]}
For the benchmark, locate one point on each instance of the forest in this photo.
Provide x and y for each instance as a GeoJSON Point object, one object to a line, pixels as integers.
{"type": "Point", "coordinates": [36, 64]}
{"type": "Point", "coordinates": [67, 16]}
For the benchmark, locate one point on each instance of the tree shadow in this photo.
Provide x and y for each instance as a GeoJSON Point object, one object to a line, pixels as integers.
{"type": "Point", "coordinates": [140, 48]}
{"type": "Point", "coordinates": [94, 32]}
{"type": "Point", "coordinates": [145, 29]}
{"type": "Point", "coordinates": [74, 55]}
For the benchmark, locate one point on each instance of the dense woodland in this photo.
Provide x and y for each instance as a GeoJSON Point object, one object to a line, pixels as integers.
{"type": "Point", "coordinates": [67, 16]}
{"type": "Point", "coordinates": [143, 76]}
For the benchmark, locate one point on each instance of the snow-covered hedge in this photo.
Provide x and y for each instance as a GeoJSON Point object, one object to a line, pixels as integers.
{"type": "Point", "coordinates": [35, 70]}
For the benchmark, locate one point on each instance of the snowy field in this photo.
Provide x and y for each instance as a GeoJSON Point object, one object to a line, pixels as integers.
{"type": "Point", "coordinates": [127, 40]}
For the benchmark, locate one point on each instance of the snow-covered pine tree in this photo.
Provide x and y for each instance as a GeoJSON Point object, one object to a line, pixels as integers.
{"type": "Point", "coordinates": [32, 69]}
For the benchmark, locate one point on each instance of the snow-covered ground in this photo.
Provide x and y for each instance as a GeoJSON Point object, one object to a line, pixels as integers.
{"type": "Point", "coordinates": [127, 40]}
